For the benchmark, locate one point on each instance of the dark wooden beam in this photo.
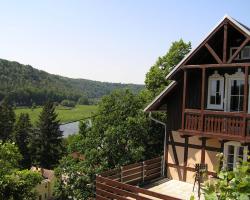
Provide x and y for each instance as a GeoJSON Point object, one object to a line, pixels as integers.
{"type": "Point", "coordinates": [216, 57]}
{"type": "Point", "coordinates": [245, 91]}
{"type": "Point", "coordinates": [225, 44]}
{"type": "Point", "coordinates": [244, 43]}
{"type": "Point", "coordinates": [202, 97]}
{"type": "Point", "coordinates": [203, 149]}
{"type": "Point", "coordinates": [215, 135]}
{"type": "Point", "coordinates": [215, 65]}
{"type": "Point", "coordinates": [245, 101]}
{"type": "Point", "coordinates": [185, 158]}
{"type": "Point", "coordinates": [175, 154]}
{"type": "Point", "coordinates": [184, 98]}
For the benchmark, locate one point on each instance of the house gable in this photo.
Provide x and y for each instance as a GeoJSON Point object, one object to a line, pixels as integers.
{"type": "Point", "coordinates": [213, 48]}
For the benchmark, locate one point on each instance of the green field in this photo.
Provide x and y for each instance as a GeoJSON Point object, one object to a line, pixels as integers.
{"type": "Point", "coordinates": [64, 114]}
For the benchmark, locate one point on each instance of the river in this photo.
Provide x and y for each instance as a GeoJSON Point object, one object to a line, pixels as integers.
{"type": "Point", "coordinates": [70, 128]}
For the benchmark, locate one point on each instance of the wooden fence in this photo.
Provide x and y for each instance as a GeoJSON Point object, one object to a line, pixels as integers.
{"type": "Point", "coordinates": [120, 183]}
{"type": "Point", "coordinates": [137, 173]}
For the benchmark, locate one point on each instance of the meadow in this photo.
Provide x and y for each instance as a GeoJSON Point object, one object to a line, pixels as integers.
{"type": "Point", "coordinates": [65, 114]}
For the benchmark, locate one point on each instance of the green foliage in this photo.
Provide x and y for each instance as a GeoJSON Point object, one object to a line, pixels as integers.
{"type": "Point", "coordinates": [230, 184]}
{"type": "Point", "coordinates": [155, 79]}
{"type": "Point", "coordinates": [25, 85]}
{"type": "Point", "coordinates": [68, 103]}
{"type": "Point", "coordinates": [22, 136]}
{"type": "Point", "coordinates": [7, 120]}
{"type": "Point", "coordinates": [9, 158]}
{"type": "Point", "coordinates": [83, 101]}
{"type": "Point", "coordinates": [47, 140]}
{"type": "Point", "coordinates": [121, 134]}
{"type": "Point", "coordinates": [15, 184]}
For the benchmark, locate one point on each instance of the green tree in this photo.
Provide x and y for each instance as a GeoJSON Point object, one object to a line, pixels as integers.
{"type": "Point", "coordinates": [47, 140]}
{"type": "Point", "coordinates": [121, 134]}
{"type": "Point", "coordinates": [15, 184]}
{"type": "Point", "coordinates": [83, 100]}
{"type": "Point", "coordinates": [7, 120]}
{"type": "Point", "coordinates": [22, 135]}
{"type": "Point", "coordinates": [155, 79]}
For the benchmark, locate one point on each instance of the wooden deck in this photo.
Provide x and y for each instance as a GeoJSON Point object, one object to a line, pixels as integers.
{"type": "Point", "coordinates": [173, 188]}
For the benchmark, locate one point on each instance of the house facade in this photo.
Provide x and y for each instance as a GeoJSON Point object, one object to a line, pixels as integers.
{"type": "Point", "coordinates": [208, 103]}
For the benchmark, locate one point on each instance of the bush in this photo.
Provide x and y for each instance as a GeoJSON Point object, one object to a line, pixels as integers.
{"type": "Point", "coordinates": [230, 184]}
{"type": "Point", "coordinates": [83, 101]}
{"type": "Point", "coordinates": [68, 103]}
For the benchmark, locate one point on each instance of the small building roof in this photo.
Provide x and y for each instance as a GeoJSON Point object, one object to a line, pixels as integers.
{"type": "Point", "coordinates": [46, 173]}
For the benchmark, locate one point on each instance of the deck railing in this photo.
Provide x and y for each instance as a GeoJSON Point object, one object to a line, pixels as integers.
{"type": "Point", "coordinates": [216, 122]}
{"type": "Point", "coordinates": [122, 183]}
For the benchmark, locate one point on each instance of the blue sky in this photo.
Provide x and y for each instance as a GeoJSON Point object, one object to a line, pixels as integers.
{"type": "Point", "coordinates": [105, 40]}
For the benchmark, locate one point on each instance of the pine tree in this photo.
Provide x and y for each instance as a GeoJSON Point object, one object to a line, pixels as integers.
{"type": "Point", "coordinates": [48, 138]}
{"type": "Point", "coordinates": [7, 120]}
{"type": "Point", "coordinates": [22, 136]}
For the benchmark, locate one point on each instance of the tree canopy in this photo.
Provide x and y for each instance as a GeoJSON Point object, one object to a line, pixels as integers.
{"type": "Point", "coordinates": [155, 79]}
{"type": "Point", "coordinates": [47, 140]}
{"type": "Point", "coordinates": [15, 183]}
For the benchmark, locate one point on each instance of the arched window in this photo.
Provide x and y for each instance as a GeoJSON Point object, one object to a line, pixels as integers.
{"type": "Point", "coordinates": [215, 91]}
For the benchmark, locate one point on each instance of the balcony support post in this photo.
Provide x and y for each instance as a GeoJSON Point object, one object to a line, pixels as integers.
{"type": "Point", "coordinates": [245, 101]}
{"type": "Point", "coordinates": [184, 98]}
{"type": "Point", "coordinates": [202, 98]}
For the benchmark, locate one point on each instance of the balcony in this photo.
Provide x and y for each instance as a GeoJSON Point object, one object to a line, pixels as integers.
{"type": "Point", "coordinates": [224, 125]}
{"type": "Point", "coordinates": [142, 181]}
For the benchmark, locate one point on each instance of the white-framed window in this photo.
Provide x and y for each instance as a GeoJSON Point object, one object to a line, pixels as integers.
{"type": "Point", "coordinates": [245, 53]}
{"type": "Point", "coordinates": [234, 153]}
{"type": "Point", "coordinates": [234, 91]}
{"type": "Point", "coordinates": [215, 91]}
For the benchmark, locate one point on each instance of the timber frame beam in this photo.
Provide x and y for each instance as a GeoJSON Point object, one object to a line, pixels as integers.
{"type": "Point", "coordinates": [216, 65]}
{"type": "Point", "coordinates": [216, 57]}
{"type": "Point", "coordinates": [225, 43]}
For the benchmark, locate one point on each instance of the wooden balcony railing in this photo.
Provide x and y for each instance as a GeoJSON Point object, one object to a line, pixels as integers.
{"type": "Point", "coordinates": [217, 123]}
{"type": "Point", "coordinates": [121, 183]}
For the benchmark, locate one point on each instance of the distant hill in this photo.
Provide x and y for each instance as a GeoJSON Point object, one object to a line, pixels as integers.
{"type": "Point", "coordinates": [25, 85]}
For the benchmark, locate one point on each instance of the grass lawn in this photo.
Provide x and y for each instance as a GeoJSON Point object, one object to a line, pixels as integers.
{"type": "Point", "coordinates": [64, 114]}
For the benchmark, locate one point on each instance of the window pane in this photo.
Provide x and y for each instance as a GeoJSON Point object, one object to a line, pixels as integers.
{"type": "Point", "coordinates": [246, 53]}
{"type": "Point", "coordinates": [218, 86]}
{"type": "Point", "coordinates": [234, 87]}
{"type": "Point", "coordinates": [230, 159]}
{"type": "Point", "coordinates": [234, 103]}
{"type": "Point", "coordinates": [230, 166]}
{"type": "Point", "coordinates": [212, 100]}
{"type": "Point", "coordinates": [241, 84]}
{"type": "Point", "coordinates": [230, 149]}
{"type": "Point", "coordinates": [213, 87]}
{"type": "Point", "coordinates": [218, 98]}
{"type": "Point", "coordinates": [241, 104]}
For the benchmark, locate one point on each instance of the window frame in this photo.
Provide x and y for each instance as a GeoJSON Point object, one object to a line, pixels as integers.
{"type": "Point", "coordinates": [238, 75]}
{"type": "Point", "coordinates": [242, 57]}
{"type": "Point", "coordinates": [215, 77]}
{"type": "Point", "coordinates": [236, 146]}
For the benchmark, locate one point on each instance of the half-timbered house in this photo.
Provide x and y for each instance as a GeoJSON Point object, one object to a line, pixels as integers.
{"type": "Point", "coordinates": [208, 112]}
{"type": "Point", "coordinates": [208, 102]}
